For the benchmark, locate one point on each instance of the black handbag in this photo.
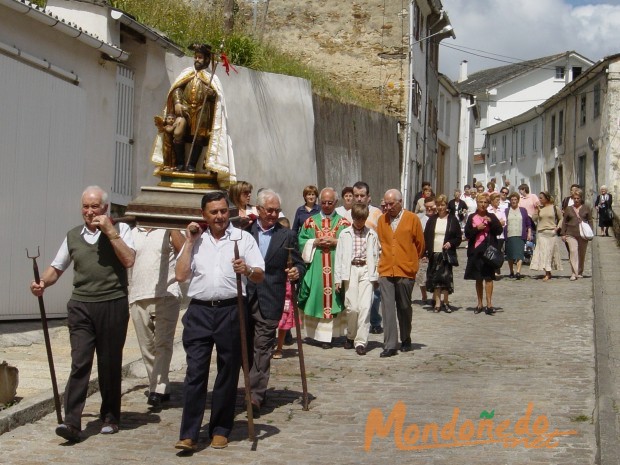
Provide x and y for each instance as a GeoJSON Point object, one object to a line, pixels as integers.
{"type": "Point", "coordinates": [492, 256]}
{"type": "Point", "coordinates": [449, 256]}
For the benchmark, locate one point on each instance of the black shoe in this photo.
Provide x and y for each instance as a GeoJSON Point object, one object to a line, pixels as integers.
{"type": "Point", "coordinates": [376, 330]}
{"type": "Point", "coordinates": [155, 399]}
{"type": "Point", "coordinates": [288, 338]}
{"type": "Point", "coordinates": [388, 353]}
{"type": "Point", "coordinates": [180, 168]}
{"type": "Point", "coordinates": [477, 310]}
{"type": "Point", "coordinates": [68, 432]}
{"type": "Point", "coordinates": [360, 350]}
{"type": "Point", "coordinates": [191, 169]}
{"type": "Point", "coordinates": [518, 276]}
{"type": "Point", "coordinates": [326, 345]}
{"type": "Point", "coordinates": [511, 275]}
{"type": "Point", "coordinates": [406, 347]}
{"type": "Point", "coordinates": [489, 310]}
{"type": "Point", "coordinates": [348, 344]}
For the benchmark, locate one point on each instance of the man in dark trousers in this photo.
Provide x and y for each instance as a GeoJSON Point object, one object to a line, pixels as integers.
{"type": "Point", "coordinates": [212, 318]}
{"type": "Point", "coordinates": [266, 299]}
{"type": "Point", "coordinates": [98, 311]}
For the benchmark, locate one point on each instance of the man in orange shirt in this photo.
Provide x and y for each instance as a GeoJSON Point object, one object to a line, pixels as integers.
{"type": "Point", "coordinates": [402, 244]}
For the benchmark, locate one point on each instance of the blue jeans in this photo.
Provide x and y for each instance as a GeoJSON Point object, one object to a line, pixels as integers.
{"type": "Point", "coordinates": [375, 315]}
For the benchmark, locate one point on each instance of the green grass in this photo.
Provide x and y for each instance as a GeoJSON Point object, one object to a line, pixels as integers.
{"type": "Point", "coordinates": [186, 24]}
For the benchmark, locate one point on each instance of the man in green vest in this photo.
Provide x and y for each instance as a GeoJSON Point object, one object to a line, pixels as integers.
{"type": "Point", "coordinates": [98, 311]}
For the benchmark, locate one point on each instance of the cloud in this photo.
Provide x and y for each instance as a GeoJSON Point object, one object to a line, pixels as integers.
{"type": "Point", "coordinates": [526, 29]}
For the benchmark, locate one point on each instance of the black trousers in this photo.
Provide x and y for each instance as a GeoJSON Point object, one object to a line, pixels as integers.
{"type": "Point", "coordinates": [96, 327]}
{"type": "Point", "coordinates": [204, 327]}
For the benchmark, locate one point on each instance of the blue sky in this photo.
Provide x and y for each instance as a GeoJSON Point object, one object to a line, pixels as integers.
{"type": "Point", "coordinates": [508, 30]}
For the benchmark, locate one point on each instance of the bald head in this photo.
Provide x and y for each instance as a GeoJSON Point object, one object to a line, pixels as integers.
{"type": "Point", "coordinates": [393, 202]}
{"type": "Point", "coordinates": [328, 199]}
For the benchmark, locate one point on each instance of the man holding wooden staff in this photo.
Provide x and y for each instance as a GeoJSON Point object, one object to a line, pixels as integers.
{"type": "Point", "coordinates": [98, 311]}
{"type": "Point", "coordinates": [212, 318]}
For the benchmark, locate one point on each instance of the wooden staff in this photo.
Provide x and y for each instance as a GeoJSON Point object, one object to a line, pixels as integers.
{"type": "Point", "coordinates": [300, 347]}
{"type": "Point", "coordinates": [46, 336]}
{"type": "Point", "coordinates": [244, 350]}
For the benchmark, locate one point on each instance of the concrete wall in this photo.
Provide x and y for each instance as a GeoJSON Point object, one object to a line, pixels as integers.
{"type": "Point", "coordinates": [353, 144]}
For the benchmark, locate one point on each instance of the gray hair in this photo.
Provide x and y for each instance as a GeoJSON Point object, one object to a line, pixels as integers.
{"type": "Point", "coordinates": [104, 194]}
{"type": "Point", "coordinates": [395, 193]}
{"type": "Point", "coordinates": [266, 194]}
{"type": "Point", "coordinates": [329, 189]}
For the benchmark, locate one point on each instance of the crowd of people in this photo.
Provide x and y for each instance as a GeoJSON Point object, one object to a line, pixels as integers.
{"type": "Point", "coordinates": [352, 268]}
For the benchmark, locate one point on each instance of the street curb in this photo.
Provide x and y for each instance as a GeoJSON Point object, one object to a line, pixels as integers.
{"type": "Point", "coordinates": [605, 416]}
{"type": "Point", "coordinates": [35, 408]}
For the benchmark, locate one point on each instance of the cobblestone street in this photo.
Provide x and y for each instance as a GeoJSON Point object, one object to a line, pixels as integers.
{"type": "Point", "coordinates": [538, 349]}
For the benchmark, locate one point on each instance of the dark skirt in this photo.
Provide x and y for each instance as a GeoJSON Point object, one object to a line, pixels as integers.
{"type": "Point", "coordinates": [477, 269]}
{"type": "Point", "coordinates": [439, 274]}
{"type": "Point", "coordinates": [515, 248]}
{"type": "Point", "coordinates": [605, 218]}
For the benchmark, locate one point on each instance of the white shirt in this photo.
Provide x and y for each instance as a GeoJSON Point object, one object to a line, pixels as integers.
{"type": "Point", "coordinates": [63, 259]}
{"type": "Point", "coordinates": [213, 277]}
{"type": "Point", "coordinates": [152, 275]}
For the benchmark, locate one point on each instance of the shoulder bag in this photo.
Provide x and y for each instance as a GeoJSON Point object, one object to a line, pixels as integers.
{"type": "Point", "coordinates": [492, 256]}
{"type": "Point", "coordinates": [585, 231]}
{"type": "Point", "coordinates": [449, 255]}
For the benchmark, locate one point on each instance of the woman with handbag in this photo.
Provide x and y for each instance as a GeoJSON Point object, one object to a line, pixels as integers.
{"type": "Point", "coordinates": [572, 234]}
{"type": "Point", "coordinates": [481, 231]}
{"type": "Point", "coordinates": [605, 213]}
{"type": "Point", "coordinates": [546, 254]}
{"type": "Point", "coordinates": [494, 207]}
{"type": "Point", "coordinates": [517, 231]}
{"type": "Point", "coordinates": [442, 236]}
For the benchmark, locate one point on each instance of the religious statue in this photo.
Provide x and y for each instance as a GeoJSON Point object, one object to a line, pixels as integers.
{"type": "Point", "coordinates": [194, 123]}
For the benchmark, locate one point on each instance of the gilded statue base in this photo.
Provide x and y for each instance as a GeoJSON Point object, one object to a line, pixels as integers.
{"type": "Point", "coordinates": [185, 180]}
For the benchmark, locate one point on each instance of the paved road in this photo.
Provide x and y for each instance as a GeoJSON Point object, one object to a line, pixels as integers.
{"type": "Point", "coordinates": [537, 350]}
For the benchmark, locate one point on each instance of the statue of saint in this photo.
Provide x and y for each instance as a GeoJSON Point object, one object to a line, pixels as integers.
{"type": "Point", "coordinates": [194, 122]}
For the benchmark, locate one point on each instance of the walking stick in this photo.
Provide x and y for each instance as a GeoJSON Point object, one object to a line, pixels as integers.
{"type": "Point", "coordinates": [244, 350]}
{"type": "Point", "coordinates": [46, 335]}
{"type": "Point", "coordinates": [300, 348]}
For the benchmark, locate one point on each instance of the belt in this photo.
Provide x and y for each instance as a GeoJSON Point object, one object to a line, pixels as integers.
{"type": "Point", "coordinates": [216, 303]}
{"type": "Point", "coordinates": [358, 262]}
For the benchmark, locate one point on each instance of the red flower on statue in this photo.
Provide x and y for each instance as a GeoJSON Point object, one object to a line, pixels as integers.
{"type": "Point", "coordinates": [226, 64]}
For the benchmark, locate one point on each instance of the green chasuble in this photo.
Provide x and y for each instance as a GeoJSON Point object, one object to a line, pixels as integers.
{"type": "Point", "coordinates": [317, 296]}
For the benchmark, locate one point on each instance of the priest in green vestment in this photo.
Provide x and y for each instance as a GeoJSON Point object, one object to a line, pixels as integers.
{"type": "Point", "coordinates": [318, 298]}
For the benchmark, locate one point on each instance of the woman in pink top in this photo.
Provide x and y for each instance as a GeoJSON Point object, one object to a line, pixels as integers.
{"type": "Point", "coordinates": [481, 229]}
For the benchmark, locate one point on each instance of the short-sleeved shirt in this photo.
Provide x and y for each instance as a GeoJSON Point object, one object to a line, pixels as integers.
{"type": "Point", "coordinates": [213, 277]}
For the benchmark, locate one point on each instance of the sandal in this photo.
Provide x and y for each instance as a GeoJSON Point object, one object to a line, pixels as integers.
{"type": "Point", "coordinates": [277, 355]}
{"type": "Point", "coordinates": [446, 308]}
{"type": "Point", "coordinates": [477, 310]}
{"type": "Point", "coordinates": [436, 309]}
{"type": "Point", "coordinates": [489, 311]}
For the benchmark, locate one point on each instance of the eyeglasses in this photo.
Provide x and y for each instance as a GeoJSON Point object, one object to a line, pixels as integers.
{"type": "Point", "coordinates": [327, 202]}
{"type": "Point", "coordinates": [271, 211]}
{"type": "Point", "coordinates": [246, 193]}
{"type": "Point", "coordinates": [391, 204]}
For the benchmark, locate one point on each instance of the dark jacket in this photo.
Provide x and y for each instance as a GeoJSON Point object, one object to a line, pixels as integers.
{"type": "Point", "coordinates": [453, 233]}
{"type": "Point", "coordinates": [455, 207]}
{"type": "Point", "coordinates": [471, 234]}
{"type": "Point", "coordinates": [301, 215]}
{"type": "Point", "coordinates": [272, 290]}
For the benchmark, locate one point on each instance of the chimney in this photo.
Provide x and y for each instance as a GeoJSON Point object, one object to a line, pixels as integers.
{"type": "Point", "coordinates": [463, 71]}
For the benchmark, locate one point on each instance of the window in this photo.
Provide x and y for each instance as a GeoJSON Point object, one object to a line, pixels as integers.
{"type": "Point", "coordinates": [522, 142]}
{"type": "Point", "coordinates": [535, 137]}
{"type": "Point", "coordinates": [560, 128]}
{"type": "Point", "coordinates": [596, 95]}
{"type": "Point", "coordinates": [447, 124]}
{"type": "Point", "coordinates": [582, 111]}
{"type": "Point", "coordinates": [416, 21]}
{"type": "Point", "coordinates": [504, 147]}
{"type": "Point", "coordinates": [442, 113]}
{"type": "Point", "coordinates": [553, 131]}
{"type": "Point", "coordinates": [581, 171]}
{"type": "Point", "coordinates": [576, 71]}
{"type": "Point", "coordinates": [559, 72]}
{"type": "Point", "coordinates": [493, 150]}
